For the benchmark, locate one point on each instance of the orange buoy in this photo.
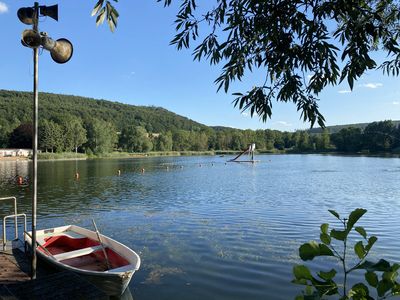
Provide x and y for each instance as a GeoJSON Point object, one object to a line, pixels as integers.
{"type": "Point", "coordinates": [20, 180]}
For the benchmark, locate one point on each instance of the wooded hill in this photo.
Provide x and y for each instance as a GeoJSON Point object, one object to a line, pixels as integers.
{"type": "Point", "coordinates": [72, 123]}
{"type": "Point", "coordinates": [337, 128]}
{"type": "Point", "coordinates": [16, 107]}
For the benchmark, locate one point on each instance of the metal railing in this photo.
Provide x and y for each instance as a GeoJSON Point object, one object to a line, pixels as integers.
{"type": "Point", "coordinates": [15, 216]}
{"type": "Point", "coordinates": [4, 228]}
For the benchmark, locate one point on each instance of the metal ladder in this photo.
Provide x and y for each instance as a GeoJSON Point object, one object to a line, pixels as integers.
{"type": "Point", "coordinates": [15, 216]}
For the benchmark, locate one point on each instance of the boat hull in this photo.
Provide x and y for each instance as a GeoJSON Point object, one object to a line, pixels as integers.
{"type": "Point", "coordinates": [113, 282]}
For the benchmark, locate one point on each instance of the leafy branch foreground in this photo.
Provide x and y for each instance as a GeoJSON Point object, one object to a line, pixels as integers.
{"type": "Point", "coordinates": [381, 277]}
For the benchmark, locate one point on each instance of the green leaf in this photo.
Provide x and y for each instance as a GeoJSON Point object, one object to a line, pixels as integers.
{"type": "Point", "coordinates": [371, 242]}
{"type": "Point", "coordinates": [334, 213]}
{"type": "Point", "coordinates": [338, 234]}
{"type": "Point", "coordinates": [396, 289]}
{"type": "Point", "coordinates": [309, 290]}
{"type": "Point", "coordinates": [359, 250]}
{"type": "Point", "coordinates": [354, 216]}
{"type": "Point", "coordinates": [100, 18]}
{"type": "Point", "coordinates": [381, 266]}
{"type": "Point", "coordinates": [361, 231]}
{"type": "Point", "coordinates": [312, 249]}
{"type": "Point", "coordinates": [359, 291]}
{"type": "Point", "coordinates": [300, 281]}
{"type": "Point", "coordinates": [301, 272]}
{"type": "Point", "coordinates": [111, 24]}
{"type": "Point", "coordinates": [389, 276]}
{"type": "Point", "coordinates": [371, 278]}
{"type": "Point", "coordinates": [324, 228]}
{"type": "Point", "coordinates": [327, 275]}
{"type": "Point", "coordinates": [97, 7]}
{"type": "Point", "coordinates": [395, 267]}
{"type": "Point", "coordinates": [325, 238]}
{"type": "Point", "coordinates": [383, 287]}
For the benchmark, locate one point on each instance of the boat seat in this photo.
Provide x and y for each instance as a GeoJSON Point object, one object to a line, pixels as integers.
{"type": "Point", "coordinates": [72, 234]}
{"type": "Point", "coordinates": [76, 253]}
{"type": "Point", "coordinates": [123, 268]}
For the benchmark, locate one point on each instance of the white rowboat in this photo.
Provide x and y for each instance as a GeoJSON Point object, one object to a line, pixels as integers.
{"type": "Point", "coordinates": [78, 250]}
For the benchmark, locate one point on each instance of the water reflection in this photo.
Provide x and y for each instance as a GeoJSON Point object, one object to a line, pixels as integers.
{"type": "Point", "coordinates": [210, 230]}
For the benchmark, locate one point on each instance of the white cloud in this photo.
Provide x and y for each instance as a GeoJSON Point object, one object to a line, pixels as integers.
{"type": "Point", "coordinates": [284, 123]}
{"type": "Point", "coordinates": [245, 114]}
{"type": "Point", "coordinates": [344, 91]}
{"type": "Point", "coordinates": [3, 8]}
{"type": "Point", "coordinates": [396, 102]}
{"type": "Point", "coordinates": [372, 85]}
{"type": "Point", "coordinates": [133, 73]}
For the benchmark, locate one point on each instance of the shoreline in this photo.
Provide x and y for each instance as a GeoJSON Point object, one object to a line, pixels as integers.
{"type": "Point", "coordinates": [221, 153]}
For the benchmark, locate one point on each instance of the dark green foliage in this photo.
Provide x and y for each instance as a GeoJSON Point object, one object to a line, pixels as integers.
{"type": "Point", "coordinates": [135, 139]}
{"type": "Point", "coordinates": [51, 136]}
{"type": "Point", "coordinates": [380, 136]}
{"type": "Point", "coordinates": [74, 133]}
{"type": "Point", "coordinates": [380, 277]}
{"type": "Point", "coordinates": [68, 123]}
{"type": "Point", "coordinates": [101, 136]}
{"type": "Point", "coordinates": [104, 10]}
{"type": "Point", "coordinates": [348, 139]}
{"type": "Point", "coordinates": [21, 137]}
{"type": "Point", "coordinates": [163, 142]}
{"type": "Point", "coordinates": [332, 41]}
{"type": "Point", "coordinates": [16, 107]}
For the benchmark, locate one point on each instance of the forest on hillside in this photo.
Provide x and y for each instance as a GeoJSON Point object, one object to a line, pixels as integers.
{"type": "Point", "coordinates": [71, 123]}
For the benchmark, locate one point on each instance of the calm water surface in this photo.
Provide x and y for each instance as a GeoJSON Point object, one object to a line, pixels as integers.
{"type": "Point", "coordinates": [210, 230]}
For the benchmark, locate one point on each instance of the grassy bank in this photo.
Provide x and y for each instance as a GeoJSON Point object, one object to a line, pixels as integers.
{"type": "Point", "coordinates": [73, 155]}
{"type": "Point", "coordinates": [151, 154]}
{"type": "Point", "coordinates": [61, 156]}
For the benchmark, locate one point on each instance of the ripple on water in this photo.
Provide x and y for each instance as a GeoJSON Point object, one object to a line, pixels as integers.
{"type": "Point", "coordinates": [219, 231]}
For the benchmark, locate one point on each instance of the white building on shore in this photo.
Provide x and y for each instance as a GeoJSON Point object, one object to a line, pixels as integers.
{"type": "Point", "coordinates": [15, 152]}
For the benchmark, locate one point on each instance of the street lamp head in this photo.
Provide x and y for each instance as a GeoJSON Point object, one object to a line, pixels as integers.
{"type": "Point", "coordinates": [25, 15]}
{"type": "Point", "coordinates": [31, 38]}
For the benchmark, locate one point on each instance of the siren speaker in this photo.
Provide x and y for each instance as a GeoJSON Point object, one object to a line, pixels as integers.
{"type": "Point", "coordinates": [25, 15]}
{"type": "Point", "coordinates": [50, 11]}
{"type": "Point", "coordinates": [31, 38]}
{"type": "Point", "coordinates": [62, 51]}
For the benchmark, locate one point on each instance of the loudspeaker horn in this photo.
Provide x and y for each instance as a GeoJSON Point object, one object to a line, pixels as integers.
{"type": "Point", "coordinates": [62, 51]}
{"type": "Point", "coordinates": [50, 11]}
{"type": "Point", "coordinates": [25, 15]}
{"type": "Point", "coordinates": [31, 38]}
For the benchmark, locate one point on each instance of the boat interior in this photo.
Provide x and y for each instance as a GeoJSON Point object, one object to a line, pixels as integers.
{"type": "Point", "coordinates": [81, 252]}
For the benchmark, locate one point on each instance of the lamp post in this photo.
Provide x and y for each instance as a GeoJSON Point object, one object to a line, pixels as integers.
{"type": "Point", "coordinates": [61, 52]}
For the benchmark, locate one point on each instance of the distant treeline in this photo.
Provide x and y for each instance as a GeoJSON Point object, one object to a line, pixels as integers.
{"type": "Point", "coordinates": [70, 123]}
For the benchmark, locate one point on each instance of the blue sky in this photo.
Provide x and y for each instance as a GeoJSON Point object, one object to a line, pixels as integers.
{"type": "Point", "coordinates": [136, 65]}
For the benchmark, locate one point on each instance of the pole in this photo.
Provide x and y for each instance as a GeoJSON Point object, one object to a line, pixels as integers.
{"type": "Point", "coordinates": [35, 140]}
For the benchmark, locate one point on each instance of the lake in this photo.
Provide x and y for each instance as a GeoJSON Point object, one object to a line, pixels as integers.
{"type": "Point", "coordinates": [206, 229]}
